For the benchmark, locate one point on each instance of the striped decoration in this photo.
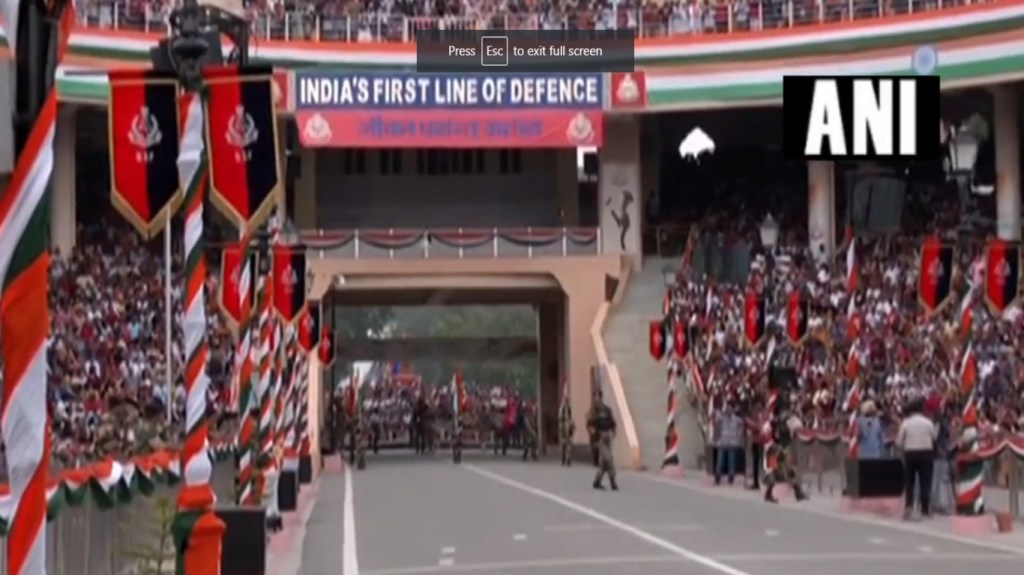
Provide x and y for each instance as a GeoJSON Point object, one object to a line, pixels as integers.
{"type": "Point", "coordinates": [266, 328]}
{"type": "Point", "coordinates": [970, 468]}
{"type": "Point", "coordinates": [291, 454]}
{"type": "Point", "coordinates": [670, 462]}
{"type": "Point", "coordinates": [851, 406]}
{"type": "Point", "coordinates": [303, 419]}
{"type": "Point", "coordinates": [25, 321]}
{"type": "Point", "coordinates": [244, 382]}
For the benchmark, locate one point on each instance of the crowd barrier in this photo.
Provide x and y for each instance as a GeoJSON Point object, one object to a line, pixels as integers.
{"type": "Point", "coordinates": [104, 538]}
{"type": "Point", "coordinates": [691, 20]}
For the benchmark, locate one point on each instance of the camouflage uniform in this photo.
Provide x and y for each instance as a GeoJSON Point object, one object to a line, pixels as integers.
{"type": "Point", "coordinates": [530, 439]}
{"type": "Point", "coordinates": [601, 425]}
{"type": "Point", "coordinates": [783, 470]}
{"type": "Point", "coordinates": [566, 429]}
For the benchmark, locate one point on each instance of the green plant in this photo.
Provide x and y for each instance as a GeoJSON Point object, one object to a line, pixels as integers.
{"type": "Point", "coordinates": [152, 545]}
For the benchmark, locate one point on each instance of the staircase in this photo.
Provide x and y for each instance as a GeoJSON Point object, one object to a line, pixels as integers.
{"type": "Point", "coordinates": [644, 381]}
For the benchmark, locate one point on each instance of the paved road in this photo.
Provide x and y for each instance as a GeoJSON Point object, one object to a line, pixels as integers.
{"type": "Point", "coordinates": [409, 516]}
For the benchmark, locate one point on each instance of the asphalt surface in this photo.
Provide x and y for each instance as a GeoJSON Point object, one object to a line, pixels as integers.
{"type": "Point", "coordinates": [406, 515]}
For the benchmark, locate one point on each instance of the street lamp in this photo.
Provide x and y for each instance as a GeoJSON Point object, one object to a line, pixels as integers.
{"type": "Point", "coordinates": [962, 146]}
{"type": "Point", "coordinates": [769, 233]}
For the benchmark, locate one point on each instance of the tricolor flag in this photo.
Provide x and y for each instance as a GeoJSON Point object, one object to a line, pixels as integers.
{"type": "Point", "coordinates": [852, 273]}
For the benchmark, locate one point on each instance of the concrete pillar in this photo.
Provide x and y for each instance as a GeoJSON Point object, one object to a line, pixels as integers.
{"type": "Point", "coordinates": [821, 209]}
{"type": "Point", "coordinates": [305, 191]}
{"type": "Point", "coordinates": [620, 201]}
{"type": "Point", "coordinates": [567, 182]}
{"type": "Point", "coordinates": [1007, 134]}
{"type": "Point", "coordinates": [62, 206]}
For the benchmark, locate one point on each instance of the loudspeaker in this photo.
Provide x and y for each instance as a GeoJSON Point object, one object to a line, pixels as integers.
{"type": "Point", "coordinates": [305, 470]}
{"type": "Point", "coordinates": [288, 491]}
{"type": "Point", "coordinates": [874, 477]}
{"type": "Point", "coordinates": [161, 55]}
{"type": "Point", "coordinates": [782, 378]}
{"type": "Point", "coordinates": [244, 549]}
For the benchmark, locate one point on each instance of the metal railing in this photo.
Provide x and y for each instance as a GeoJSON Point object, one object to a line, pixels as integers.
{"type": "Point", "coordinates": [649, 22]}
{"type": "Point", "coordinates": [460, 243]}
{"type": "Point", "coordinates": [89, 540]}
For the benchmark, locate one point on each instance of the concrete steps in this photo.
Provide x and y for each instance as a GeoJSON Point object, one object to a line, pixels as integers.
{"type": "Point", "coordinates": [645, 381]}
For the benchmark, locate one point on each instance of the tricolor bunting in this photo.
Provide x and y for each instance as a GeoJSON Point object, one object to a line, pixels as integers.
{"type": "Point", "coordinates": [861, 118]}
{"type": "Point", "coordinates": [143, 127]}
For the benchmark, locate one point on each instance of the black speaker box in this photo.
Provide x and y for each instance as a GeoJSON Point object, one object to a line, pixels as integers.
{"type": "Point", "coordinates": [161, 55]}
{"type": "Point", "coordinates": [288, 491]}
{"type": "Point", "coordinates": [874, 477]}
{"type": "Point", "coordinates": [305, 470]}
{"type": "Point", "coordinates": [244, 549]}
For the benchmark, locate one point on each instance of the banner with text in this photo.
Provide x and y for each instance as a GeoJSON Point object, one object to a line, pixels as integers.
{"type": "Point", "coordinates": [408, 110]}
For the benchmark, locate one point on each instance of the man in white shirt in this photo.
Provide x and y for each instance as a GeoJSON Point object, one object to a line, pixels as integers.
{"type": "Point", "coordinates": [916, 438]}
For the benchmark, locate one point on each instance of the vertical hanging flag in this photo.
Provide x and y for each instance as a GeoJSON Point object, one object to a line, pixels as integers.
{"type": "Point", "coordinates": [325, 351]}
{"type": "Point", "coordinates": [230, 299]}
{"type": "Point", "coordinates": [754, 318]}
{"type": "Point", "coordinates": [309, 328]}
{"type": "Point", "coordinates": [935, 279]}
{"type": "Point", "coordinates": [241, 127]}
{"type": "Point", "coordinates": [289, 263]}
{"type": "Point", "coordinates": [798, 313]}
{"type": "Point", "coordinates": [144, 132]}
{"type": "Point", "coordinates": [1002, 275]}
{"type": "Point", "coordinates": [657, 339]}
{"type": "Point", "coordinates": [679, 342]}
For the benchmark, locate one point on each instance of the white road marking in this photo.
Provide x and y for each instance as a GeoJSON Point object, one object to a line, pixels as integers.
{"type": "Point", "coordinates": [853, 518]}
{"type": "Point", "coordinates": [446, 562]}
{"type": "Point", "coordinates": [447, 551]}
{"type": "Point", "coordinates": [519, 537]}
{"type": "Point", "coordinates": [625, 527]}
{"type": "Point", "coordinates": [876, 540]}
{"type": "Point", "coordinates": [771, 533]}
{"type": "Point", "coordinates": [925, 549]}
{"type": "Point", "coordinates": [654, 559]}
{"type": "Point", "coordinates": [587, 527]}
{"type": "Point", "coordinates": [349, 559]}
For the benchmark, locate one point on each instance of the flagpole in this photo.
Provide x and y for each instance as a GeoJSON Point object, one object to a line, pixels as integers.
{"type": "Point", "coordinates": [168, 325]}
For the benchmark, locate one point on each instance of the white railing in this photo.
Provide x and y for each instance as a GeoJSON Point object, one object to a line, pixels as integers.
{"type": "Point", "coordinates": [453, 243]}
{"type": "Point", "coordinates": [737, 16]}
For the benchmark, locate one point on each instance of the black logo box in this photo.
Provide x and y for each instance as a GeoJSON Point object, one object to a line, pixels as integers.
{"type": "Point", "coordinates": [617, 53]}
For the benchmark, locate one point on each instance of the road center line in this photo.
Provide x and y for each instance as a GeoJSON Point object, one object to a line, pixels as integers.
{"type": "Point", "coordinates": [349, 559]}
{"type": "Point", "coordinates": [625, 527]}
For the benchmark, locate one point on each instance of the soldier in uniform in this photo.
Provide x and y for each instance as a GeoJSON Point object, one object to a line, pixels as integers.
{"type": "Point", "coordinates": [601, 425]}
{"type": "Point", "coordinates": [566, 429]}
{"type": "Point", "coordinates": [783, 470]}
{"type": "Point", "coordinates": [361, 437]}
{"type": "Point", "coordinates": [529, 427]}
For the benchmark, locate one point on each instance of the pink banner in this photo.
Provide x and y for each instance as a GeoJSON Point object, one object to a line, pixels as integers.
{"type": "Point", "coordinates": [450, 128]}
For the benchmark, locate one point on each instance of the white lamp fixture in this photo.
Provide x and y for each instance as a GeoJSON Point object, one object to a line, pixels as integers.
{"type": "Point", "coordinates": [962, 145]}
{"type": "Point", "coordinates": [769, 232]}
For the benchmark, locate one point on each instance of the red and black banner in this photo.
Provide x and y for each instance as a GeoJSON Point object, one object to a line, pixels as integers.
{"type": "Point", "coordinates": [235, 305]}
{"type": "Point", "coordinates": [935, 279]}
{"type": "Point", "coordinates": [143, 127]}
{"type": "Point", "coordinates": [325, 348]}
{"type": "Point", "coordinates": [245, 175]}
{"type": "Point", "coordinates": [679, 343]}
{"type": "Point", "coordinates": [289, 273]}
{"type": "Point", "coordinates": [309, 328]}
{"type": "Point", "coordinates": [657, 337]}
{"type": "Point", "coordinates": [1002, 275]}
{"type": "Point", "coordinates": [798, 314]}
{"type": "Point", "coordinates": [754, 318]}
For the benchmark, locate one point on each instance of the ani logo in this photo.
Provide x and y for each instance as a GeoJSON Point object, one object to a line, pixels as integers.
{"type": "Point", "coordinates": [581, 130]}
{"type": "Point", "coordinates": [145, 135]}
{"type": "Point", "coordinates": [241, 134]}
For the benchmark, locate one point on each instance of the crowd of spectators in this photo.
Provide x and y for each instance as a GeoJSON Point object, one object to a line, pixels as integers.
{"type": "Point", "coordinates": [399, 20]}
{"type": "Point", "coordinates": [108, 376]}
{"type": "Point", "coordinates": [873, 335]}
